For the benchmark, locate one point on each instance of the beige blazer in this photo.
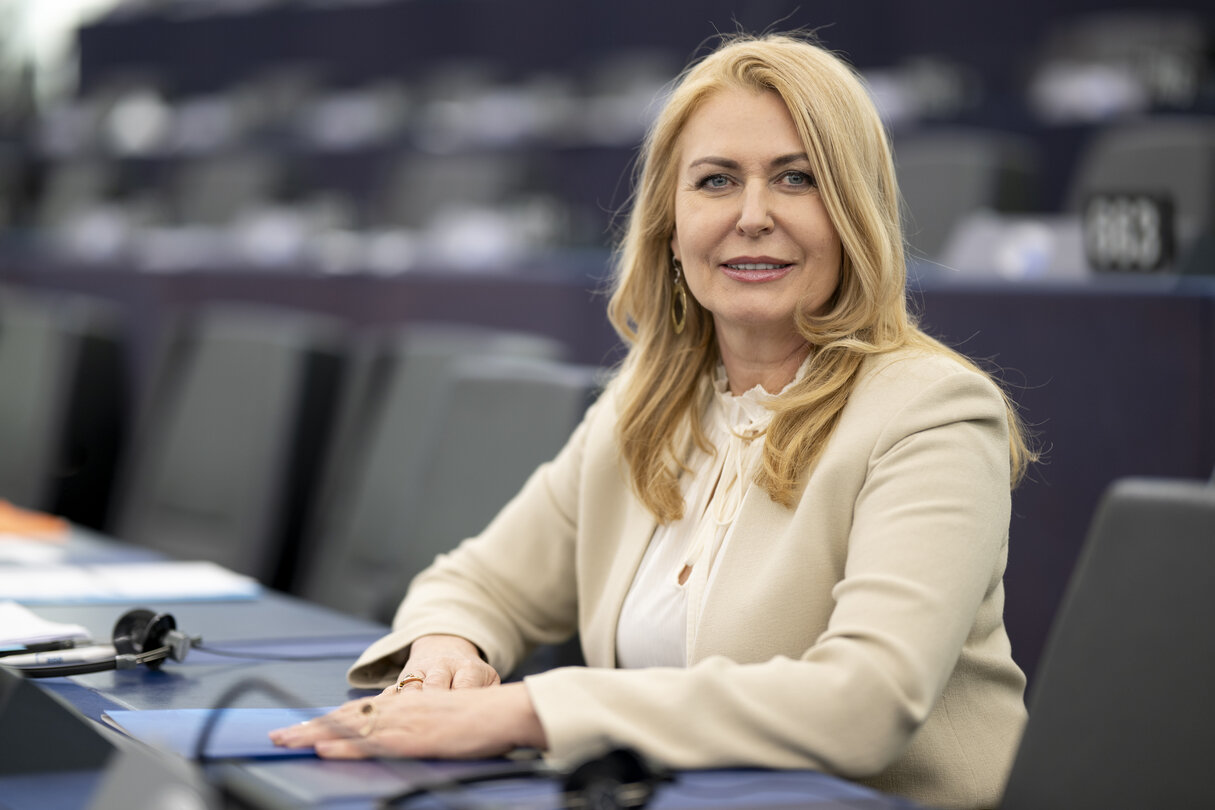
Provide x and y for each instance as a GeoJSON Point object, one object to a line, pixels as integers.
{"type": "Point", "coordinates": [859, 633]}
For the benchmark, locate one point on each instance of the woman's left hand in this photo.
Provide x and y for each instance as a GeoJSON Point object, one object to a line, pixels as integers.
{"type": "Point", "coordinates": [457, 724]}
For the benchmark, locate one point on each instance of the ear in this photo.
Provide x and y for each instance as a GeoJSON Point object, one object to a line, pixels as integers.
{"type": "Point", "coordinates": [675, 245]}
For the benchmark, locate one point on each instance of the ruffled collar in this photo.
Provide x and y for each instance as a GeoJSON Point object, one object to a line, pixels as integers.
{"type": "Point", "coordinates": [734, 423]}
{"type": "Point", "coordinates": [749, 412]}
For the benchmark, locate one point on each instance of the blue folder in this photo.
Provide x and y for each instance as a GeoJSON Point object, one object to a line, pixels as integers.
{"type": "Point", "coordinates": [237, 733]}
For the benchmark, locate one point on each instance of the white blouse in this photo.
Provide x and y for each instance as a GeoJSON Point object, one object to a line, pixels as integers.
{"type": "Point", "coordinates": [661, 613]}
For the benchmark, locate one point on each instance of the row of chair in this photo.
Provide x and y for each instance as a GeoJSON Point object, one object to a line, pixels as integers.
{"type": "Point", "coordinates": [281, 444]}
{"type": "Point", "coordinates": [975, 200]}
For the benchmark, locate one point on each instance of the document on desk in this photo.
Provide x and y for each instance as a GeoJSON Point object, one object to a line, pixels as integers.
{"type": "Point", "coordinates": [124, 583]}
{"type": "Point", "coordinates": [21, 627]}
{"type": "Point", "coordinates": [241, 733]}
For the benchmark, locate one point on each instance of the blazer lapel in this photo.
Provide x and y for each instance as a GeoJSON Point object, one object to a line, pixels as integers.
{"type": "Point", "coordinates": [599, 635]}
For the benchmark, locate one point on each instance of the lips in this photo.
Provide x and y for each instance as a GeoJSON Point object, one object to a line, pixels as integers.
{"type": "Point", "coordinates": [755, 270]}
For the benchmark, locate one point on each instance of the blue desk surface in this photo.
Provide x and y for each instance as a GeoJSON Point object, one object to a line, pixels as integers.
{"type": "Point", "coordinates": [282, 626]}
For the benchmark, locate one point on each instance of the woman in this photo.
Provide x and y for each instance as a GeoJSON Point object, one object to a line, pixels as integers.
{"type": "Point", "coordinates": [782, 529]}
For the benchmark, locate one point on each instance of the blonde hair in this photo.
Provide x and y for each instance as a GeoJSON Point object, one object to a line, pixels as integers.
{"type": "Point", "coordinates": [851, 161]}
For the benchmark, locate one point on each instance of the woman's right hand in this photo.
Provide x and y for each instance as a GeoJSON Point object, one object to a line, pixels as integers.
{"type": "Point", "coordinates": [444, 662]}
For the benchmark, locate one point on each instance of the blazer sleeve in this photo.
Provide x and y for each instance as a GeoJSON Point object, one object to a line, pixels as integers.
{"type": "Point", "coordinates": [925, 549]}
{"type": "Point", "coordinates": [506, 590]}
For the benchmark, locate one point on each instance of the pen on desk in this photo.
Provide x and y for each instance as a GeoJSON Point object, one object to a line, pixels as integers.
{"type": "Point", "coordinates": [42, 646]}
{"type": "Point", "coordinates": [75, 655]}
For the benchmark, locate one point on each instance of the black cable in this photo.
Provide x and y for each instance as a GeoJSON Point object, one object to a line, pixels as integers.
{"type": "Point", "coordinates": [232, 784]}
{"type": "Point", "coordinates": [446, 785]}
{"type": "Point", "coordinates": [618, 779]}
{"type": "Point", "coordinates": [228, 697]}
{"type": "Point", "coordinates": [58, 670]}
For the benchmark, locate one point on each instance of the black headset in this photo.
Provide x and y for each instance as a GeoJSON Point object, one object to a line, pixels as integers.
{"type": "Point", "coordinates": [618, 779]}
{"type": "Point", "coordinates": [140, 636]}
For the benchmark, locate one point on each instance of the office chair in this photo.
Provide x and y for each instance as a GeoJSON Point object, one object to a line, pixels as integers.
{"type": "Point", "coordinates": [1169, 156]}
{"type": "Point", "coordinates": [502, 418]}
{"type": "Point", "coordinates": [228, 437]}
{"type": "Point", "coordinates": [62, 403]}
{"type": "Point", "coordinates": [1121, 711]}
{"type": "Point", "coordinates": [946, 174]}
{"type": "Point", "coordinates": [380, 456]}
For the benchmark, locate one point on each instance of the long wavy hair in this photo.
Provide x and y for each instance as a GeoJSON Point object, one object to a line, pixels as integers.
{"type": "Point", "coordinates": [851, 160]}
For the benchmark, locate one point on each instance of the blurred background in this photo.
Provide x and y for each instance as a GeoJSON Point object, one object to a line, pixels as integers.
{"type": "Point", "coordinates": [380, 136]}
{"type": "Point", "coordinates": [383, 163]}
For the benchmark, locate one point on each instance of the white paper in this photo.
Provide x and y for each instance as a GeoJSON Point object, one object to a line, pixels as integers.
{"type": "Point", "coordinates": [20, 626]}
{"type": "Point", "coordinates": [174, 580]}
{"type": "Point", "coordinates": [124, 582]}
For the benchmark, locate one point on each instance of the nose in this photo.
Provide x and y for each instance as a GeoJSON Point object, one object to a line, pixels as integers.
{"type": "Point", "coordinates": [755, 214]}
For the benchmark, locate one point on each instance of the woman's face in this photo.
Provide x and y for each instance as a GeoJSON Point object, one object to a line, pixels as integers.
{"type": "Point", "coordinates": [750, 227]}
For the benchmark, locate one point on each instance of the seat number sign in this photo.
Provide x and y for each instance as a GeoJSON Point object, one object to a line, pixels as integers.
{"type": "Point", "coordinates": [1128, 232]}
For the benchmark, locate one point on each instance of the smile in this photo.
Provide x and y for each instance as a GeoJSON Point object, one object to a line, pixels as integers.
{"type": "Point", "coordinates": [756, 272]}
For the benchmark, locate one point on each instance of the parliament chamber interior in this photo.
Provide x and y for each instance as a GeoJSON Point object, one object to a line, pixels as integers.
{"type": "Point", "coordinates": [282, 281]}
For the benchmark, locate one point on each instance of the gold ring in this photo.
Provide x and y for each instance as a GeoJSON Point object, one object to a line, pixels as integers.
{"type": "Point", "coordinates": [372, 713]}
{"type": "Point", "coordinates": [407, 679]}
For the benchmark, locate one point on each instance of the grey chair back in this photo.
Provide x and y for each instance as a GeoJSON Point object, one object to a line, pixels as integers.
{"type": "Point", "coordinates": [1170, 156]}
{"type": "Point", "coordinates": [1122, 712]}
{"type": "Point", "coordinates": [504, 417]}
{"type": "Point", "coordinates": [945, 175]}
{"type": "Point", "coordinates": [376, 470]}
{"type": "Point", "coordinates": [62, 401]}
{"type": "Point", "coordinates": [226, 446]}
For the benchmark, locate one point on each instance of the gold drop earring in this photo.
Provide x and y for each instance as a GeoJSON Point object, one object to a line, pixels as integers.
{"type": "Point", "coordinates": [679, 300]}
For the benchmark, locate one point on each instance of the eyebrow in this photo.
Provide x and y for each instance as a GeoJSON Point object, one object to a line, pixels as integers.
{"type": "Point", "coordinates": [727, 163]}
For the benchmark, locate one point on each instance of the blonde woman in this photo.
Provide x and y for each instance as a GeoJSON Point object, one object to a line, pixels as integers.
{"type": "Point", "coordinates": [781, 531]}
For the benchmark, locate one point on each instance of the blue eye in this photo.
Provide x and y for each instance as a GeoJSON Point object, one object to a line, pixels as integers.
{"type": "Point", "coordinates": [798, 179]}
{"type": "Point", "coordinates": [714, 181]}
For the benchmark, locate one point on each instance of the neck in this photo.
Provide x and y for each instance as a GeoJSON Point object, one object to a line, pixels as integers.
{"type": "Point", "coordinates": [770, 364]}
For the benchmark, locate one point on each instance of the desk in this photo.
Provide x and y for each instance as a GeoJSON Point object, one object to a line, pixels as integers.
{"type": "Point", "coordinates": [278, 624]}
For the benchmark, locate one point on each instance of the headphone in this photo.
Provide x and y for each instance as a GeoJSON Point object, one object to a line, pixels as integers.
{"type": "Point", "coordinates": [618, 779]}
{"type": "Point", "coordinates": [140, 636]}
